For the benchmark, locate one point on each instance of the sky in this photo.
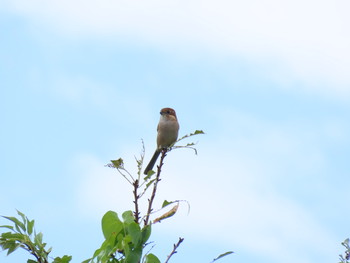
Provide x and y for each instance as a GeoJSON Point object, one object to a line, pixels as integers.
{"type": "Point", "coordinates": [82, 82]}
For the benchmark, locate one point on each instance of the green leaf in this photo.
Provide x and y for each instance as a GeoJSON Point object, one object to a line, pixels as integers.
{"type": "Point", "coordinates": [165, 203]}
{"type": "Point", "coordinates": [118, 163]}
{"type": "Point", "coordinates": [6, 245]}
{"type": "Point", "coordinates": [97, 252]}
{"type": "Point", "coordinates": [223, 255]}
{"type": "Point", "coordinates": [24, 218]}
{"type": "Point", "coordinates": [64, 259]}
{"type": "Point", "coordinates": [191, 134]}
{"type": "Point", "coordinates": [125, 244]}
{"type": "Point", "coordinates": [197, 132]}
{"type": "Point", "coordinates": [38, 240]}
{"type": "Point", "coordinates": [134, 256]}
{"type": "Point", "coordinates": [14, 236]}
{"type": "Point", "coordinates": [111, 224]}
{"type": "Point", "coordinates": [120, 246]}
{"type": "Point", "coordinates": [7, 226]}
{"type": "Point", "coordinates": [18, 224]}
{"type": "Point", "coordinates": [128, 217]}
{"type": "Point", "coordinates": [31, 261]}
{"type": "Point", "coordinates": [12, 247]}
{"type": "Point", "coordinates": [151, 258]}
{"type": "Point", "coordinates": [30, 226]}
{"type": "Point", "coordinates": [149, 175]}
{"type": "Point", "coordinates": [135, 232]}
{"type": "Point", "coordinates": [146, 233]}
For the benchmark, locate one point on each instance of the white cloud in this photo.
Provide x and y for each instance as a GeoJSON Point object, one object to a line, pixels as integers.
{"type": "Point", "coordinates": [246, 212]}
{"type": "Point", "coordinates": [306, 40]}
{"type": "Point", "coordinates": [242, 198]}
{"type": "Point", "coordinates": [81, 90]}
{"type": "Point", "coordinates": [101, 188]}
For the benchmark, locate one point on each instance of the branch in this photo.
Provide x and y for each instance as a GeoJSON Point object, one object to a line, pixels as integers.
{"type": "Point", "coordinates": [32, 251]}
{"type": "Point", "coordinates": [150, 201]}
{"type": "Point", "coordinates": [174, 249]}
{"type": "Point", "coordinates": [119, 165]}
{"type": "Point", "coordinates": [136, 199]}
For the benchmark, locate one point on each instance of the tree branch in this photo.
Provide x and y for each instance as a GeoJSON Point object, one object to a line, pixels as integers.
{"type": "Point", "coordinates": [150, 201]}
{"type": "Point", "coordinates": [174, 249]}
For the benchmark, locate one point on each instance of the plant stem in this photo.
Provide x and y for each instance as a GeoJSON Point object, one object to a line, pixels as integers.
{"type": "Point", "coordinates": [150, 201]}
{"type": "Point", "coordinates": [174, 249]}
{"type": "Point", "coordinates": [136, 199]}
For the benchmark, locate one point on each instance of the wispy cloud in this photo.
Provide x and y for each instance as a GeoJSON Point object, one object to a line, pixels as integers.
{"type": "Point", "coordinates": [249, 215]}
{"type": "Point", "coordinates": [99, 187]}
{"type": "Point", "coordinates": [80, 90]}
{"type": "Point", "coordinates": [305, 40]}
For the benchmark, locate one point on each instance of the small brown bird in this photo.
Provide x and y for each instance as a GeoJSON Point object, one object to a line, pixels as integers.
{"type": "Point", "coordinates": [168, 129]}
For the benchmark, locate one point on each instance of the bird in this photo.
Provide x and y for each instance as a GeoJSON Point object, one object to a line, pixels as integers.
{"type": "Point", "coordinates": [167, 132]}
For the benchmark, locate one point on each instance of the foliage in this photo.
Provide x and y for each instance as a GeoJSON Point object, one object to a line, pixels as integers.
{"type": "Point", "coordinates": [23, 235]}
{"type": "Point", "coordinates": [346, 258]}
{"type": "Point", "coordinates": [125, 237]}
{"type": "Point", "coordinates": [124, 240]}
{"type": "Point", "coordinates": [222, 255]}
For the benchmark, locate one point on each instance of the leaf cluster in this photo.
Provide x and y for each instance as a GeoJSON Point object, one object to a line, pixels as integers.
{"type": "Point", "coordinates": [346, 257]}
{"type": "Point", "coordinates": [125, 237]}
{"type": "Point", "coordinates": [124, 240]}
{"type": "Point", "coordinates": [22, 234]}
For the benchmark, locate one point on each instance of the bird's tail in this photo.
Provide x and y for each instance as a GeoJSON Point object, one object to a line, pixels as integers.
{"type": "Point", "coordinates": [152, 162]}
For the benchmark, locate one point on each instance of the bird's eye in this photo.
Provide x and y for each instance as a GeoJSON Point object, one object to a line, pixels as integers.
{"type": "Point", "coordinates": [168, 111]}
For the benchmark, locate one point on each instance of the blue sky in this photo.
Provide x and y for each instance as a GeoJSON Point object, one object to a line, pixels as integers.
{"type": "Point", "coordinates": [82, 82]}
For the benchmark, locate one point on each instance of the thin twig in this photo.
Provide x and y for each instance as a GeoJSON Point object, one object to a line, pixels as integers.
{"type": "Point", "coordinates": [129, 174]}
{"type": "Point", "coordinates": [174, 249]}
{"type": "Point", "coordinates": [150, 201]}
{"type": "Point", "coordinates": [136, 203]}
{"type": "Point", "coordinates": [186, 146]}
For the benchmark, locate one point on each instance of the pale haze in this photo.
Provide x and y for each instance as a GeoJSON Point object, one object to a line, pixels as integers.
{"type": "Point", "coordinates": [82, 82]}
